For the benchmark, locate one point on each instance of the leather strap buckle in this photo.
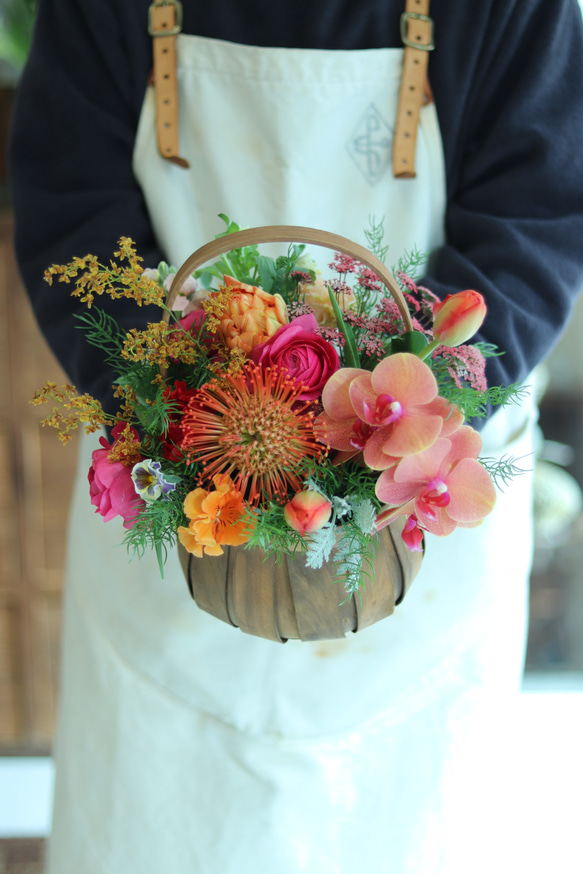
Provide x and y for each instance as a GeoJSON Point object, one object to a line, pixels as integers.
{"type": "Point", "coordinates": [416, 16]}
{"type": "Point", "coordinates": [164, 23]}
{"type": "Point", "coordinates": [172, 31]}
{"type": "Point", "coordinates": [417, 36]}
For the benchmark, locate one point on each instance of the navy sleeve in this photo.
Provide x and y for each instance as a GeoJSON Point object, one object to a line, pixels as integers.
{"type": "Point", "coordinates": [73, 189]}
{"type": "Point", "coordinates": [513, 143]}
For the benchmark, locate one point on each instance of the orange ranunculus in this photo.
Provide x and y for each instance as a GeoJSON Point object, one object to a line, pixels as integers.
{"type": "Point", "coordinates": [458, 317]}
{"type": "Point", "coordinates": [315, 295]}
{"type": "Point", "coordinates": [251, 317]}
{"type": "Point", "coordinates": [217, 518]}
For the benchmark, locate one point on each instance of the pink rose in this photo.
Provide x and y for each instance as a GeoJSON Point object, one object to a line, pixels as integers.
{"type": "Point", "coordinates": [303, 353]}
{"type": "Point", "coordinates": [111, 487]}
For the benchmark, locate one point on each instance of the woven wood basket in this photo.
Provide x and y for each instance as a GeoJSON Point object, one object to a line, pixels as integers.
{"type": "Point", "coordinates": [278, 601]}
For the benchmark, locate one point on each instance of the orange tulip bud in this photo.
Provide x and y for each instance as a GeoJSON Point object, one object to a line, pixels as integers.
{"type": "Point", "coordinates": [458, 317]}
{"type": "Point", "coordinates": [307, 511]}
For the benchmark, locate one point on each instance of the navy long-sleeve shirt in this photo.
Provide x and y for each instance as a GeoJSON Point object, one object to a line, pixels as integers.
{"type": "Point", "coordinates": [507, 77]}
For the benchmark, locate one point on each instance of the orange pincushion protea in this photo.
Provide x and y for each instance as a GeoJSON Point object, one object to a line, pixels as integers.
{"type": "Point", "coordinates": [251, 316]}
{"type": "Point", "coordinates": [217, 519]}
{"type": "Point", "coordinates": [244, 426]}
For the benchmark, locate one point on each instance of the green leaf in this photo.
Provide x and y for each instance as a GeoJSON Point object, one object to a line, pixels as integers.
{"type": "Point", "coordinates": [351, 358]}
{"type": "Point", "coordinates": [160, 555]}
{"type": "Point", "coordinates": [164, 270]}
{"type": "Point", "coordinates": [267, 272]}
{"type": "Point", "coordinates": [412, 341]}
{"type": "Point", "coordinates": [205, 278]}
{"type": "Point", "coordinates": [232, 227]}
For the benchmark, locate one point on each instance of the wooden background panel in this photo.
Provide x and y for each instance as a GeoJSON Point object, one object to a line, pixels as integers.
{"type": "Point", "coordinates": [11, 709]}
{"type": "Point", "coordinates": [9, 528]}
{"type": "Point", "coordinates": [36, 475]}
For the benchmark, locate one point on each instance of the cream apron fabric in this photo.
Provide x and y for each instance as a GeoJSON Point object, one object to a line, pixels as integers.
{"type": "Point", "coordinates": [186, 746]}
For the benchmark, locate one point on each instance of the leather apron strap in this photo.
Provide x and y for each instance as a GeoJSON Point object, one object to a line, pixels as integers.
{"type": "Point", "coordinates": [164, 23]}
{"type": "Point", "coordinates": [417, 36]}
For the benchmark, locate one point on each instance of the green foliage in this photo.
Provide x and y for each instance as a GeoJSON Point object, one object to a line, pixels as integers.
{"type": "Point", "coordinates": [354, 558]}
{"type": "Point", "coordinates": [273, 534]}
{"type": "Point", "coordinates": [503, 470]}
{"type": "Point", "coordinates": [351, 356]}
{"type": "Point", "coordinates": [249, 266]}
{"type": "Point", "coordinates": [156, 526]}
{"type": "Point", "coordinates": [102, 331]}
{"type": "Point", "coordinates": [410, 341]}
{"type": "Point", "coordinates": [374, 236]}
{"type": "Point", "coordinates": [16, 25]}
{"type": "Point", "coordinates": [475, 404]}
{"type": "Point", "coordinates": [411, 263]}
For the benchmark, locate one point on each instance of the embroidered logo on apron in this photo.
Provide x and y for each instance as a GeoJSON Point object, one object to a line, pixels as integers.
{"type": "Point", "coordinates": [370, 145]}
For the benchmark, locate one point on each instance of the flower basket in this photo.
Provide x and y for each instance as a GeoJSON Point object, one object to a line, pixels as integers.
{"type": "Point", "coordinates": [286, 599]}
{"type": "Point", "coordinates": [298, 459]}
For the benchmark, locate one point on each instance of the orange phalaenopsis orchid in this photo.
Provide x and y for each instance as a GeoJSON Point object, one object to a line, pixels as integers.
{"type": "Point", "coordinates": [392, 412]}
{"type": "Point", "coordinates": [445, 486]}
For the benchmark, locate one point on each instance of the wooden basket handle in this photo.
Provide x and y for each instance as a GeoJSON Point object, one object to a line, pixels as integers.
{"type": "Point", "coordinates": [288, 234]}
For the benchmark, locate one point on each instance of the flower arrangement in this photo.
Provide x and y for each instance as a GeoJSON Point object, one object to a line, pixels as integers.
{"type": "Point", "coordinates": [275, 408]}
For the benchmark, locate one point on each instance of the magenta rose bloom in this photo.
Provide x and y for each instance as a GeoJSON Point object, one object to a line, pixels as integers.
{"type": "Point", "coordinates": [111, 487]}
{"type": "Point", "coordinates": [193, 321]}
{"type": "Point", "coordinates": [303, 353]}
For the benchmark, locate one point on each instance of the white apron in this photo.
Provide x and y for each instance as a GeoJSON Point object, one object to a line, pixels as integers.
{"type": "Point", "coordinates": [185, 745]}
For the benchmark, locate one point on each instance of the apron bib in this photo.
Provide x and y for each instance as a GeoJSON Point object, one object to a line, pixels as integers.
{"type": "Point", "coordinates": [304, 746]}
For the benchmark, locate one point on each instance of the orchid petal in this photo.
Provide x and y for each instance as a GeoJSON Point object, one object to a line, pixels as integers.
{"type": "Point", "coordinates": [362, 395]}
{"type": "Point", "coordinates": [412, 434]}
{"type": "Point", "coordinates": [438, 523]}
{"type": "Point", "coordinates": [471, 491]}
{"type": "Point", "coordinates": [335, 394]}
{"type": "Point", "coordinates": [375, 456]}
{"type": "Point", "coordinates": [466, 443]}
{"type": "Point", "coordinates": [337, 433]}
{"type": "Point", "coordinates": [424, 466]}
{"type": "Point", "coordinates": [450, 413]}
{"type": "Point", "coordinates": [394, 493]}
{"type": "Point", "coordinates": [406, 378]}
